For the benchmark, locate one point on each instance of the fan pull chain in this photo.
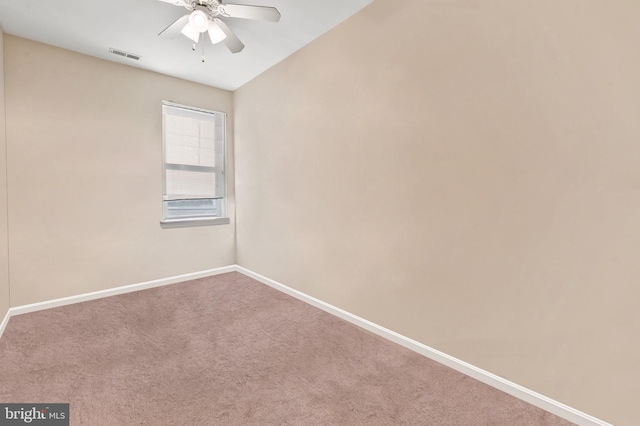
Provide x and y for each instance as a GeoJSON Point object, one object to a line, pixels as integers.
{"type": "Point", "coordinates": [202, 52]}
{"type": "Point", "coordinates": [193, 47]}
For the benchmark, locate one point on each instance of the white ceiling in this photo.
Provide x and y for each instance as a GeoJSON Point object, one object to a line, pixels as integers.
{"type": "Point", "coordinates": [93, 26]}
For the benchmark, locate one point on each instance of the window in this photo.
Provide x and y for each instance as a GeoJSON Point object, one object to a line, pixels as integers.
{"type": "Point", "coordinates": [193, 166]}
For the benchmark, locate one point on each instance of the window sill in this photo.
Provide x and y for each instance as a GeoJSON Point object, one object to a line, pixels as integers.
{"type": "Point", "coordinates": [181, 223]}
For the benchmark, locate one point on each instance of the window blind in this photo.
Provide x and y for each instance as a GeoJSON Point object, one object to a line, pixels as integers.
{"type": "Point", "coordinates": [193, 161]}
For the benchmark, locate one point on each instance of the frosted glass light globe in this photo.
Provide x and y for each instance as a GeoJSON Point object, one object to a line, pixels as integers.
{"type": "Point", "coordinates": [199, 20]}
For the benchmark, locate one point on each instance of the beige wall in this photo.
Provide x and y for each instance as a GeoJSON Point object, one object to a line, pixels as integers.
{"type": "Point", "coordinates": [4, 243]}
{"type": "Point", "coordinates": [465, 173]}
{"type": "Point", "coordinates": [84, 144]}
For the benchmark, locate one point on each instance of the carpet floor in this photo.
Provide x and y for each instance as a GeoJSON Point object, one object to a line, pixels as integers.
{"type": "Point", "coordinates": [227, 350]}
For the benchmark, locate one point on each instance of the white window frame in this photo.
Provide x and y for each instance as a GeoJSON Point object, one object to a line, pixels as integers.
{"type": "Point", "coordinates": [221, 218]}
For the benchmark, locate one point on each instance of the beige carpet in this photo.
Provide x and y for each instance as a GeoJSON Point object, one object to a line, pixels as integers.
{"type": "Point", "coordinates": [228, 350]}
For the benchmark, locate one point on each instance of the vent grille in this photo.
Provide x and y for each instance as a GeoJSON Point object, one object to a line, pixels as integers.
{"type": "Point", "coordinates": [125, 54]}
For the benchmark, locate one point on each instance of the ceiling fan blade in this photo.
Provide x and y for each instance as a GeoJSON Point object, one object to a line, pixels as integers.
{"type": "Point", "coordinates": [260, 13]}
{"type": "Point", "coordinates": [174, 29]}
{"type": "Point", "coordinates": [231, 41]}
{"type": "Point", "coordinates": [175, 2]}
{"type": "Point", "coordinates": [216, 34]}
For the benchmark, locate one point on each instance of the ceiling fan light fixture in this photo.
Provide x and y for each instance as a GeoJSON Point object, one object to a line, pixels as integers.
{"type": "Point", "coordinates": [191, 32]}
{"type": "Point", "coordinates": [205, 16]}
{"type": "Point", "coordinates": [199, 21]}
{"type": "Point", "coordinates": [215, 33]}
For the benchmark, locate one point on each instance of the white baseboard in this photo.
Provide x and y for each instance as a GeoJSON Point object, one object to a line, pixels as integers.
{"type": "Point", "coordinates": [520, 392]}
{"type": "Point", "coordinates": [497, 382]}
{"type": "Point", "coordinates": [4, 322]}
{"type": "Point", "coordinates": [24, 309]}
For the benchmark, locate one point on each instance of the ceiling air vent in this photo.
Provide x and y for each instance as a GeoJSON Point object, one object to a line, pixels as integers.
{"type": "Point", "coordinates": [125, 54]}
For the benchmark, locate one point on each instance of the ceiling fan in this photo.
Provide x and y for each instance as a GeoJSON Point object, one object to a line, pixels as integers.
{"type": "Point", "coordinates": [206, 17]}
